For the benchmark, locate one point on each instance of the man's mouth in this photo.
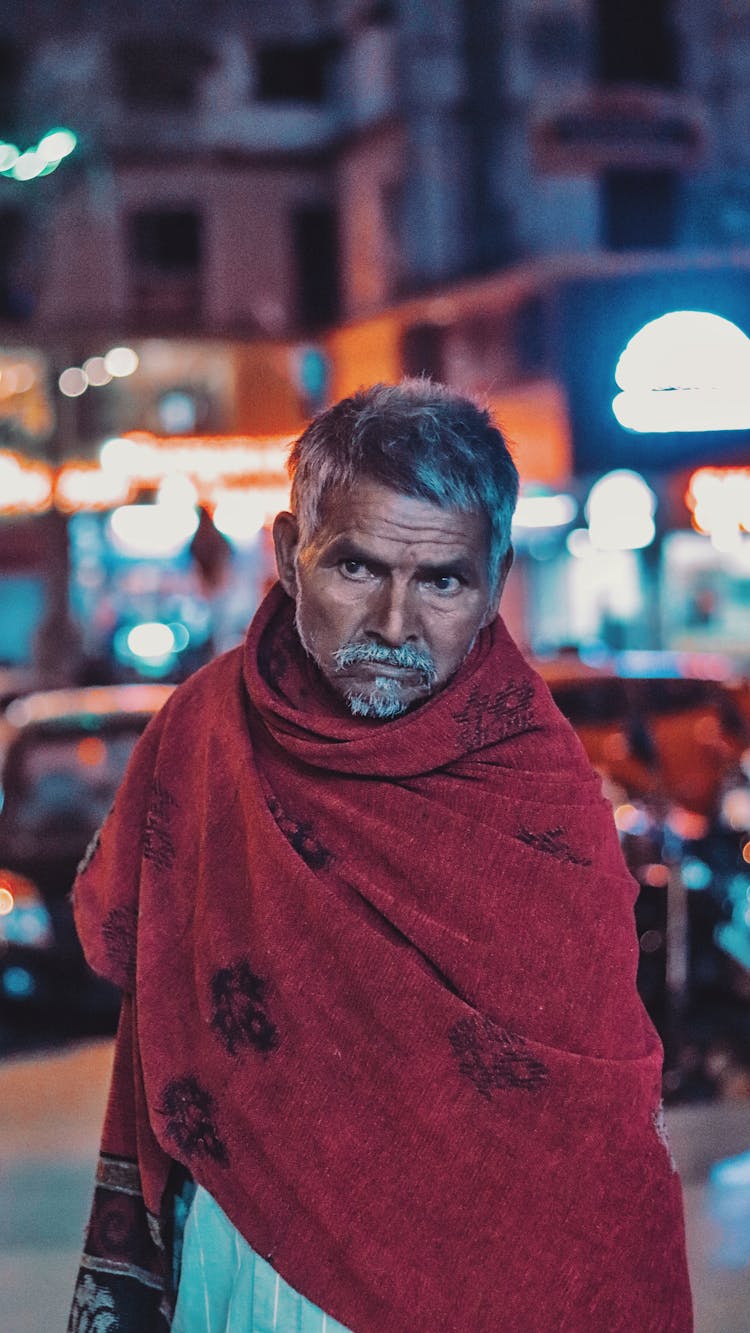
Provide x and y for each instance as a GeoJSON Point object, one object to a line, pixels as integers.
{"type": "Point", "coordinates": [372, 660]}
{"type": "Point", "coordinates": [381, 669]}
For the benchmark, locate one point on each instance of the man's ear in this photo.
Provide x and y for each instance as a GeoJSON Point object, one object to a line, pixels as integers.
{"type": "Point", "coordinates": [505, 568]}
{"type": "Point", "coordinates": [285, 541]}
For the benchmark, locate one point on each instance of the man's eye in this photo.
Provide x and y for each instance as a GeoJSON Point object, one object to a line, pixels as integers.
{"type": "Point", "coordinates": [354, 569]}
{"type": "Point", "coordinates": [446, 583]}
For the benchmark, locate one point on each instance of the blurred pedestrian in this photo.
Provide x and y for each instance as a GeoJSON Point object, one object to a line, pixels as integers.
{"type": "Point", "coordinates": [381, 1064]}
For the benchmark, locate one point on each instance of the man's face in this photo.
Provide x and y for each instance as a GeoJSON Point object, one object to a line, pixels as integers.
{"type": "Point", "coordinates": [390, 594]}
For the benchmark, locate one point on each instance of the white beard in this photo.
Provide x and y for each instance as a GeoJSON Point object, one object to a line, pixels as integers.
{"type": "Point", "coordinates": [383, 699]}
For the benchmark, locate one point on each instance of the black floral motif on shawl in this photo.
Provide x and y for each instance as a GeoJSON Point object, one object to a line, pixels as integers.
{"type": "Point", "coordinates": [239, 1009]}
{"type": "Point", "coordinates": [189, 1111]}
{"type": "Point", "coordinates": [158, 844]}
{"type": "Point", "coordinates": [122, 1284]}
{"type": "Point", "coordinates": [486, 718]}
{"type": "Point", "coordinates": [493, 1058]}
{"type": "Point", "coordinates": [301, 836]}
{"type": "Point", "coordinates": [119, 935]}
{"type": "Point", "coordinates": [553, 842]}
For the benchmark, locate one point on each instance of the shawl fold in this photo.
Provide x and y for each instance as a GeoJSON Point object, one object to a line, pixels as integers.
{"type": "Point", "coordinates": [380, 1002]}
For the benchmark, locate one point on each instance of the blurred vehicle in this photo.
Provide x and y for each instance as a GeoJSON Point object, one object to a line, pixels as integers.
{"type": "Point", "coordinates": [64, 755]}
{"type": "Point", "coordinates": [674, 754]}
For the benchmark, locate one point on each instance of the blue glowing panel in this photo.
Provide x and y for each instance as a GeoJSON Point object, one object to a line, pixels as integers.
{"type": "Point", "coordinates": [21, 608]}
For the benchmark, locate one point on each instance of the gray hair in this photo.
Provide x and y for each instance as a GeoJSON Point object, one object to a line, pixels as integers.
{"type": "Point", "coordinates": [418, 438]}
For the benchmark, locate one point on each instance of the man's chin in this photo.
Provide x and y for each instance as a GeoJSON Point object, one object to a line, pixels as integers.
{"type": "Point", "coordinates": [375, 706]}
{"type": "Point", "coordinates": [383, 698]}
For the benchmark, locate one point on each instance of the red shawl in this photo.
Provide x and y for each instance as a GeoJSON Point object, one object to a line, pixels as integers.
{"type": "Point", "coordinates": [380, 1002]}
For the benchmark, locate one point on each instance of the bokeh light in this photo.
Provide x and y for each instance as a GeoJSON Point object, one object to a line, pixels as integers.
{"type": "Point", "coordinates": [56, 145]}
{"type": "Point", "coordinates": [25, 487]}
{"type": "Point", "coordinates": [151, 639]}
{"type": "Point", "coordinates": [45, 158]}
{"type": "Point", "coordinates": [28, 165]}
{"type": "Point", "coordinates": [121, 362]}
{"type": "Point", "coordinates": [544, 510]}
{"type": "Point", "coordinates": [620, 512]}
{"type": "Point", "coordinates": [96, 372]}
{"type": "Point", "coordinates": [143, 530]}
{"type": "Point", "coordinates": [73, 382]}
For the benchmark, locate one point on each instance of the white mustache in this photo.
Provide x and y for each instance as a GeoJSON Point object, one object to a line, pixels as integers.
{"type": "Point", "coordinates": [379, 654]}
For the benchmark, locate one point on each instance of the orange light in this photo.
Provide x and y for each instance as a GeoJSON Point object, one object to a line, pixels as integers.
{"type": "Point", "coordinates": [25, 487]}
{"type": "Point", "coordinates": [719, 499]}
{"type": "Point", "coordinates": [687, 824]}
{"type": "Point", "coordinates": [746, 852]}
{"type": "Point", "coordinates": [627, 818]}
{"type": "Point", "coordinates": [84, 485]}
{"type": "Point", "coordinates": [535, 417]}
{"type": "Point", "coordinates": [656, 875]}
{"type": "Point", "coordinates": [7, 901]}
{"type": "Point", "coordinates": [91, 751]}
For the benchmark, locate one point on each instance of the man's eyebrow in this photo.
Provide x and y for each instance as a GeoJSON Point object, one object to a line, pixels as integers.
{"type": "Point", "coordinates": [459, 565]}
{"type": "Point", "coordinates": [346, 548]}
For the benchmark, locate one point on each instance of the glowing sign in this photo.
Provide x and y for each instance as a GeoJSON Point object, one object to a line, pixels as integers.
{"type": "Point", "coordinates": [689, 370]}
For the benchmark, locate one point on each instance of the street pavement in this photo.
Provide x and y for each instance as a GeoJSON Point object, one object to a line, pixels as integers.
{"type": "Point", "coordinates": [51, 1109]}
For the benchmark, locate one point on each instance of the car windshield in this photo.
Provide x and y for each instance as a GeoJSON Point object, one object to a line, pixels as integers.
{"type": "Point", "coordinates": [59, 787]}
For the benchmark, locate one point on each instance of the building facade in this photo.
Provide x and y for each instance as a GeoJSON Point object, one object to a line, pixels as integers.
{"type": "Point", "coordinates": [266, 170]}
{"type": "Point", "coordinates": [274, 203]}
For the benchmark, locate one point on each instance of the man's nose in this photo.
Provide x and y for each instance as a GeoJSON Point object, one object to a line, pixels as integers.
{"type": "Point", "coordinates": [391, 619]}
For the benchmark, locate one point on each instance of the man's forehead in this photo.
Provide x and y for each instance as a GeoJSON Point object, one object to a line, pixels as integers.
{"type": "Point", "coordinates": [371, 512]}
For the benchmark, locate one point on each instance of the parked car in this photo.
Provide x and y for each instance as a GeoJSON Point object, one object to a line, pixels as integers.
{"type": "Point", "coordinates": [63, 755]}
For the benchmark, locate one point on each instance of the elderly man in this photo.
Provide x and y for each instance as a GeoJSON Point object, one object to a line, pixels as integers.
{"type": "Point", "coordinates": [381, 1064]}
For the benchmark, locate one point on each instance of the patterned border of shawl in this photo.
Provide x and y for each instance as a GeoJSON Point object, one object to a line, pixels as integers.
{"type": "Point", "coordinates": [122, 1281]}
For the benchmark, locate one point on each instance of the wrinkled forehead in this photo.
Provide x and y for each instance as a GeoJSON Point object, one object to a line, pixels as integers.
{"type": "Point", "coordinates": [369, 508]}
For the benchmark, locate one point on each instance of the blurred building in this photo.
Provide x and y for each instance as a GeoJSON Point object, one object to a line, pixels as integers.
{"type": "Point", "coordinates": [269, 169]}
{"type": "Point", "coordinates": [275, 203]}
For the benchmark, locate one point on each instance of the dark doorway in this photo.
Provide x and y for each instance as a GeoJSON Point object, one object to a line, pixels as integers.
{"type": "Point", "coordinates": [12, 62]}
{"type": "Point", "coordinates": [16, 301]}
{"type": "Point", "coordinates": [295, 72]}
{"type": "Point", "coordinates": [315, 235]}
{"type": "Point", "coordinates": [636, 43]}
{"type": "Point", "coordinates": [166, 262]}
{"type": "Point", "coordinates": [163, 74]}
{"type": "Point", "coordinates": [166, 239]}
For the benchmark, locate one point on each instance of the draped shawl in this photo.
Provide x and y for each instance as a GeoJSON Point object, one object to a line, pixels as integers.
{"type": "Point", "coordinates": [379, 1000]}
